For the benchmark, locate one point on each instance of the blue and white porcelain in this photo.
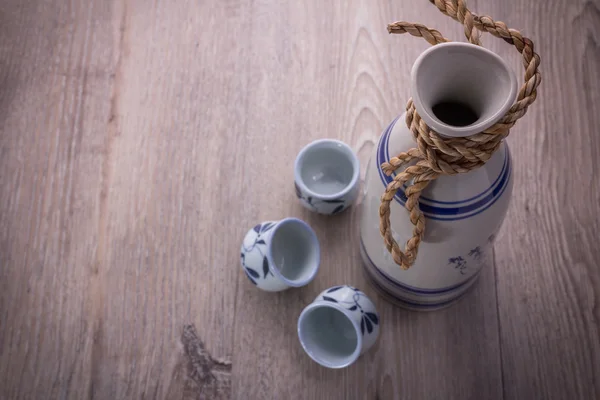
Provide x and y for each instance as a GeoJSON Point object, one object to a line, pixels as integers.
{"type": "Point", "coordinates": [326, 175]}
{"type": "Point", "coordinates": [338, 326]}
{"type": "Point", "coordinates": [277, 255]}
{"type": "Point", "coordinates": [463, 212]}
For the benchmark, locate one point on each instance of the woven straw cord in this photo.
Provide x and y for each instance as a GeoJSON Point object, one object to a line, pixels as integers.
{"type": "Point", "coordinates": [436, 155]}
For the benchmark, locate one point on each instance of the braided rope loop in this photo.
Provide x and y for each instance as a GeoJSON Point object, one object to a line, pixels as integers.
{"type": "Point", "coordinates": [436, 155]}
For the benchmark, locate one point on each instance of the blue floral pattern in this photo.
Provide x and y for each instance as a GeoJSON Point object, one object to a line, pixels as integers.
{"type": "Point", "coordinates": [317, 204]}
{"type": "Point", "coordinates": [258, 245]}
{"type": "Point", "coordinates": [475, 253]}
{"type": "Point", "coordinates": [368, 320]}
{"type": "Point", "coordinates": [461, 263]}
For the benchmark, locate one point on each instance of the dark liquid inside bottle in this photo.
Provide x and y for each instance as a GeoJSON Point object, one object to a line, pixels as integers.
{"type": "Point", "coordinates": [454, 113]}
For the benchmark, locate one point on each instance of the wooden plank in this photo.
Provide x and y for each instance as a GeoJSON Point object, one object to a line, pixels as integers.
{"type": "Point", "coordinates": [348, 86]}
{"type": "Point", "coordinates": [172, 200]}
{"type": "Point", "coordinates": [56, 60]}
{"type": "Point", "coordinates": [111, 231]}
{"type": "Point", "coordinates": [547, 258]}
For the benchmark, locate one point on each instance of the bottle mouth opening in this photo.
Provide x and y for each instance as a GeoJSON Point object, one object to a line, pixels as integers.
{"type": "Point", "coordinates": [460, 89]}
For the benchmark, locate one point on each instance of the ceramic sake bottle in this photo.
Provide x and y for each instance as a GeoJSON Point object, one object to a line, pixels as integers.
{"type": "Point", "coordinates": [458, 89]}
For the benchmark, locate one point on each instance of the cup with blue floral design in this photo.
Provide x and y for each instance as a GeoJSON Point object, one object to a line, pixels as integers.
{"type": "Point", "coordinates": [338, 327]}
{"type": "Point", "coordinates": [277, 255]}
{"type": "Point", "coordinates": [326, 176]}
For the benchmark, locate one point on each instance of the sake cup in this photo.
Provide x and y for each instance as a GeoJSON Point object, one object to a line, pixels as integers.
{"type": "Point", "coordinates": [277, 255]}
{"type": "Point", "coordinates": [326, 176]}
{"type": "Point", "coordinates": [338, 326]}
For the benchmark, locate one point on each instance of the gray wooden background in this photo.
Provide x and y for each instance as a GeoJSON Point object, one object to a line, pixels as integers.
{"type": "Point", "coordinates": [139, 140]}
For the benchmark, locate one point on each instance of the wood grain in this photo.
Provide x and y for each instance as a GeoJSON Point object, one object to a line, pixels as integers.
{"type": "Point", "coordinates": [139, 141]}
{"type": "Point", "coordinates": [548, 279]}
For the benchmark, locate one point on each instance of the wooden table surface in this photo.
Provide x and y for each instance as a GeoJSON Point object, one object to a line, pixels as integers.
{"type": "Point", "coordinates": [140, 140]}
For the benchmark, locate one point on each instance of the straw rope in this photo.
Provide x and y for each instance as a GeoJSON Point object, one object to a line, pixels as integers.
{"type": "Point", "coordinates": [437, 155]}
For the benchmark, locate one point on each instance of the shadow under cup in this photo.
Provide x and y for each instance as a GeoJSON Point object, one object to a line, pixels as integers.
{"type": "Point", "coordinates": [329, 336]}
{"type": "Point", "coordinates": [294, 252]}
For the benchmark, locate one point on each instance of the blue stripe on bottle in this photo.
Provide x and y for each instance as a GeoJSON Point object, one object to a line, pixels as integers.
{"type": "Point", "coordinates": [495, 195]}
{"type": "Point", "coordinates": [427, 199]}
{"type": "Point", "coordinates": [380, 147]}
{"type": "Point", "coordinates": [412, 304]}
{"type": "Point", "coordinates": [412, 289]}
{"type": "Point", "coordinates": [487, 197]}
{"type": "Point", "coordinates": [491, 191]}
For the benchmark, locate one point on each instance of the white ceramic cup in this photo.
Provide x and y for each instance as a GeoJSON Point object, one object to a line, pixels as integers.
{"type": "Point", "coordinates": [338, 326]}
{"type": "Point", "coordinates": [326, 175]}
{"type": "Point", "coordinates": [277, 255]}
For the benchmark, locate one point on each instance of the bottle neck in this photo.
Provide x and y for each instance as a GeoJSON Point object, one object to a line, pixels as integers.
{"type": "Point", "coordinates": [473, 91]}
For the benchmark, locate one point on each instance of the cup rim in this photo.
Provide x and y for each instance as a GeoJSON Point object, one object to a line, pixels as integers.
{"type": "Point", "coordinates": [315, 242]}
{"type": "Point", "coordinates": [359, 342]}
{"type": "Point", "coordinates": [319, 143]}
